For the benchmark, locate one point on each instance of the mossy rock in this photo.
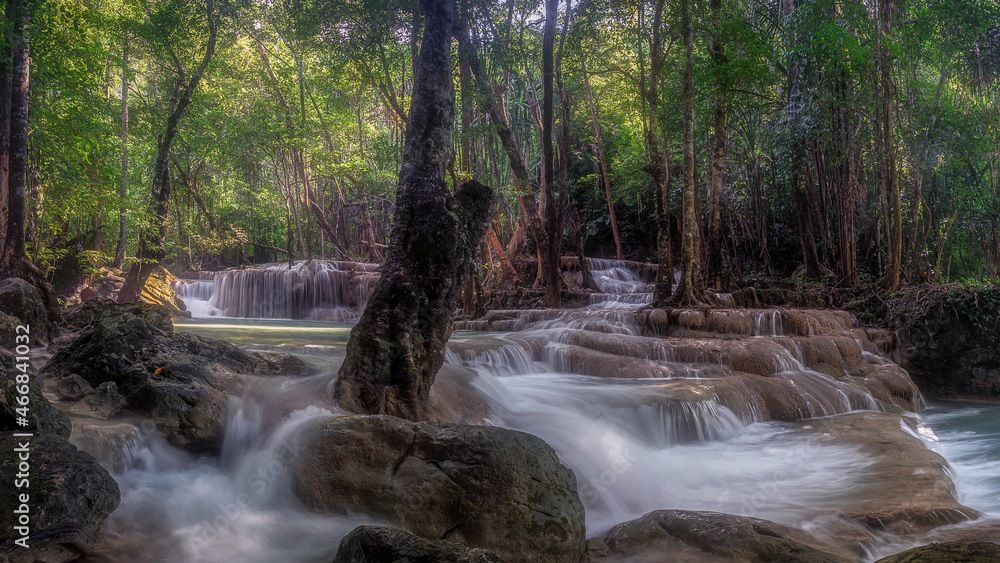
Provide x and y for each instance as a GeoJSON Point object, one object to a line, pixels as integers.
{"type": "Point", "coordinates": [179, 380]}
{"type": "Point", "coordinates": [948, 552]}
{"type": "Point", "coordinates": [42, 417]}
{"type": "Point", "coordinates": [22, 301]}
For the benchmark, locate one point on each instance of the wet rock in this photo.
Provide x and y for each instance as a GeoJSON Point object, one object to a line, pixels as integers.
{"type": "Point", "coordinates": [70, 495]}
{"type": "Point", "coordinates": [102, 403]}
{"type": "Point", "coordinates": [22, 301]}
{"type": "Point", "coordinates": [678, 535]}
{"type": "Point", "coordinates": [595, 551]}
{"type": "Point", "coordinates": [71, 387]}
{"type": "Point", "coordinates": [949, 339]}
{"type": "Point", "coordinates": [908, 490]}
{"type": "Point", "coordinates": [484, 487]}
{"type": "Point", "coordinates": [106, 441]}
{"type": "Point", "coordinates": [454, 399]}
{"type": "Point", "coordinates": [366, 544]}
{"type": "Point", "coordinates": [179, 380]}
{"type": "Point", "coordinates": [949, 552]}
{"type": "Point", "coordinates": [42, 416]}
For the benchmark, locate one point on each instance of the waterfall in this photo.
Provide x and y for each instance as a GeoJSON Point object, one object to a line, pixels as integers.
{"type": "Point", "coordinates": [315, 289]}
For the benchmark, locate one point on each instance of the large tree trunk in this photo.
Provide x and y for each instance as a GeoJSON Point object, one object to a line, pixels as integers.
{"type": "Point", "coordinates": [5, 65]}
{"type": "Point", "coordinates": [655, 159]}
{"type": "Point", "coordinates": [14, 260]}
{"type": "Point", "coordinates": [151, 242]}
{"type": "Point", "coordinates": [691, 289]}
{"type": "Point", "coordinates": [398, 346]}
{"type": "Point", "coordinates": [123, 188]}
{"type": "Point", "coordinates": [17, 148]}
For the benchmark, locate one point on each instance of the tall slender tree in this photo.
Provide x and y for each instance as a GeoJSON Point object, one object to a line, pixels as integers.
{"type": "Point", "coordinates": [151, 240]}
{"type": "Point", "coordinates": [691, 289]}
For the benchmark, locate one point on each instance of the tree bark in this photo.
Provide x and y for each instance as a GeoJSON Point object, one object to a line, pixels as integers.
{"type": "Point", "coordinates": [508, 268]}
{"type": "Point", "coordinates": [553, 228]}
{"type": "Point", "coordinates": [5, 87]}
{"type": "Point", "coordinates": [890, 176]}
{"type": "Point", "coordinates": [717, 170]}
{"type": "Point", "coordinates": [17, 148]}
{"type": "Point", "coordinates": [398, 346]}
{"type": "Point", "coordinates": [123, 188]}
{"type": "Point", "coordinates": [151, 242]}
{"type": "Point", "coordinates": [691, 289]}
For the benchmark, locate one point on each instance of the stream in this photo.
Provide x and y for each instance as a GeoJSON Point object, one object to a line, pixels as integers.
{"type": "Point", "coordinates": [635, 444]}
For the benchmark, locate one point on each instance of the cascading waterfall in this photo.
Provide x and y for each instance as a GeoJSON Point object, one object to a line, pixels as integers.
{"type": "Point", "coordinates": [645, 422]}
{"type": "Point", "coordinates": [619, 285]}
{"type": "Point", "coordinates": [315, 290]}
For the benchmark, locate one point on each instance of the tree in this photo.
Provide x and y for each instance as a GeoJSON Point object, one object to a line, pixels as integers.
{"type": "Point", "coordinates": [691, 289]}
{"type": "Point", "coordinates": [398, 345]}
{"type": "Point", "coordinates": [553, 215]}
{"type": "Point", "coordinates": [123, 188]}
{"type": "Point", "coordinates": [151, 240]}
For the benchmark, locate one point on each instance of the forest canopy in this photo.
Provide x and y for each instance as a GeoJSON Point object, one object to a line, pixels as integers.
{"type": "Point", "coordinates": [827, 138]}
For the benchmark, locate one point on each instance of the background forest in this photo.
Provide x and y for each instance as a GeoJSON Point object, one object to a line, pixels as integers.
{"type": "Point", "coordinates": [828, 135]}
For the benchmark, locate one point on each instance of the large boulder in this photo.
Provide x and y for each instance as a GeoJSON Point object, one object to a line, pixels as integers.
{"type": "Point", "coordinates": [484, 487]}
{"type": "Point", "coordinates": [21, 301]}
{"type": "Point", "coordinates": [179, 380]}
{"type": "Point", "coordinates": [367, 544]}
{"type": "Point", "coordinates": [949, 552]}
{"type": "Point", "coordinates": [679, 535]}
{"type": "Point", "coordinates": [42, 416]}
{"type": "Point", "coordinates": [949, 339]}
{"type": "Point", "coordinates": [69, 496]}
{"type": "Point", "coordinates": [157, 291]}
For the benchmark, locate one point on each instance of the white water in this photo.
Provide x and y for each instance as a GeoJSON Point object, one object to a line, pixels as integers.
{"type": "Point", "coordinates": [634, 445]}
{"type": "Point", "coordinates": [319, 290]}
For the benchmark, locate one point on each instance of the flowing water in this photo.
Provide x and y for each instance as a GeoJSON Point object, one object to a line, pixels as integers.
{"type": "Point", "coordinates": [635, 444]}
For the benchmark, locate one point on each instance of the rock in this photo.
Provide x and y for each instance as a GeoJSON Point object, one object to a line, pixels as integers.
{"type": "Point", "coordinates": [908, 491]}
{"type": "Point", "coordinates": [948, 339]}
{"type": "Point", "coordinates": [484, 487]}
{"type": "Point", "coordinates": [42, 417]}
{"type": "Point", "coordinates": [21, 300]}
{"type": "Point", "coordinates": [950, 552]}
{"type": "Point", "coordinates": [103, 403]}
{"type": "Point", "coordinates": [679, 535]}
{"type": "Point", "coordinates": [595, 551]}
{"type": "Point", "coordinates": [72, 387]}
{"type": "Point", "coordinates": [8, 330]}
{"type": "Point", "coordinates": [157, 291]}
{"type": "Point", "coordinates": [366, 544]}
{"type": "Point", "coordinates": [70, 495]}
{"type": "Point", "coordinates": [106, 441]}
{"type": "Point", "coordinates": [179, 380]}
{"type": "Point", "coordinates": [94, 309]}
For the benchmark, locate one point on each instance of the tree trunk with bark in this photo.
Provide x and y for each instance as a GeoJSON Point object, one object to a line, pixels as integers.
{"type": "Point", "coordinates": [691, 289]}
{"type": "Point", "coordinates": [151, 242]}
{"type": "Point", "coordinates": [398, 346]}
{"type": "Point", "coordinates": [715, 249]}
